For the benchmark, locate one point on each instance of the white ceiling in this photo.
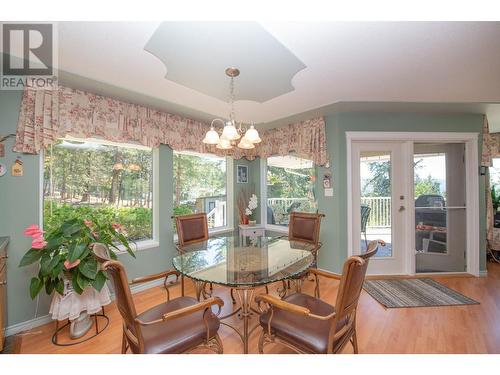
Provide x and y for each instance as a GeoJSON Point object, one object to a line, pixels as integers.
{"type": "Point", "coordinates": [440, 65]}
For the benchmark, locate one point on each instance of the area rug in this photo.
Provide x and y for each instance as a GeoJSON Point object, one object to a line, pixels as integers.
{"type": "Point", "coordinates": [414, 293]}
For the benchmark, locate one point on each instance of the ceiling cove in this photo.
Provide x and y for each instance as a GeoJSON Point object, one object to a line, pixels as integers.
{"type": "Point", "coordinates": [196, 55]}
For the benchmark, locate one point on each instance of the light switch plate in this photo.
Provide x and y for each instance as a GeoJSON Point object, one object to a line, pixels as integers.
{"type": "Point", "coordinates": [329, 192]}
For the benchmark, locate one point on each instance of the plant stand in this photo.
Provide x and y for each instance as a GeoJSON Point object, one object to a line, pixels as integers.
{"type": "Point", "coordinates": [79, 310]}
{"type": "Point", "coordinates": [98, 329]}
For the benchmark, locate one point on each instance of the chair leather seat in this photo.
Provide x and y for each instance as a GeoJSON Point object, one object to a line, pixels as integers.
{"type": "Point", "coordinates": [178, 335]}
{"type": "Point", "coordinates": [308, 334]}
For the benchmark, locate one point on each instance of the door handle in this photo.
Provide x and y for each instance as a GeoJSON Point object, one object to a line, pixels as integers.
{"type": "Point", "coordinates": [401, 208]}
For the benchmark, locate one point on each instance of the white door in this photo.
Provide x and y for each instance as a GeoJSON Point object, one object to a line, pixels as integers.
{"type": "Point", "coordinates": [378, 203]}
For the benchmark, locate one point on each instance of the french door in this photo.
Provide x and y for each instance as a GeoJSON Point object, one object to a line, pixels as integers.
{"type": "Point", "coordinates": [419, 193]}
{"type": "Point", "coordinates": [379, 203]}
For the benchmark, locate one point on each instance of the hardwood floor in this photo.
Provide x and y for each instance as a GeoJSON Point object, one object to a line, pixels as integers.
{"type": "Point", "coordinates": [456, 329]}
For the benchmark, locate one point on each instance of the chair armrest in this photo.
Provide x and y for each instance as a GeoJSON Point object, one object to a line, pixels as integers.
{"type": "Point", "coordinates": [290, 307]}
{"type": "Point", "coordinates": [155, 276]}
{"type": "Point", "coordinates": [194, 308]}
{"type": "Point", "coordinates": [283, 305]}
{"type": "Point", "coordinates": [327, 274]}
{"type": "Point", "coordinates": [206, 304]}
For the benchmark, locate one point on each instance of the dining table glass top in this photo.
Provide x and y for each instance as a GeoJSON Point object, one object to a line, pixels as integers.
{"type": "Point", "coordinates": [244, 261]}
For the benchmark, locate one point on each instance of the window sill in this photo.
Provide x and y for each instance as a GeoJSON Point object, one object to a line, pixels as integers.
{"type": "Point", "coordinates": [211, 232]}
{"type": "Point", "coordinates": [276, 228]}
{"type": "Point", "coordinates": [140, 245]}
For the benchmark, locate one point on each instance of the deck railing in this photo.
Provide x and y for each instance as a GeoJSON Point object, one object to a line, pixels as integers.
{"type": "Point", "coordinates": [380, 213]}
{"type": "Point", "coordinates": [216, 217]}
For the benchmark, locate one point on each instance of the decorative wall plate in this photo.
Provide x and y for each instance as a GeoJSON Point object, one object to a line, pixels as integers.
{"type": "Point", "coordinates": [3, 169]}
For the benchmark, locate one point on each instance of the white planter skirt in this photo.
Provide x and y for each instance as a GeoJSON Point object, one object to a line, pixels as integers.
{"type": "Point", "coordinates": [71, 304]}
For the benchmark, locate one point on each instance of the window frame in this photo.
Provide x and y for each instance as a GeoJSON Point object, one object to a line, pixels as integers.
{"type": "Point", "coordinates": [229, 227]}
{"type": "Point", "coordinates": [145, 244]}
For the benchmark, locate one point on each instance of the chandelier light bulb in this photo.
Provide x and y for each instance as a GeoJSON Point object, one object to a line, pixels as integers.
{"type": "Point", "coordinates": [230, 132]}
{"type": "Point", "coordinates": [212, 137]}
{"type": "Point", "coordinates": [252, 135]}
{"type": "Point", "coordinates": [224, 143]}
{"type": "Point", "coordinates": [245, 144]}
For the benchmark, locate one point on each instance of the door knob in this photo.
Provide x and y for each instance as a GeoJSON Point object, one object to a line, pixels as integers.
{"type": "Point", "coordinates": [401, 208]}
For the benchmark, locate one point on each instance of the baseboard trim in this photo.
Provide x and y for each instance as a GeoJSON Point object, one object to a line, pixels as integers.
{"type": "Point", "coordinates": [27, 325]}
{"type": "Point", "coordinates": [41, 320]}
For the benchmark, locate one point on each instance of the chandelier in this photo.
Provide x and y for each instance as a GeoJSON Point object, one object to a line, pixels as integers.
{"type": "Point", "coordinates": [228, 136]}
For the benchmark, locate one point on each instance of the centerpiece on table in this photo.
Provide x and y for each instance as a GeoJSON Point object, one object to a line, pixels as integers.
{"type": "Point", "coordinates": [69, 271]}
{"type": "Point", "coordinates": [247, 210]}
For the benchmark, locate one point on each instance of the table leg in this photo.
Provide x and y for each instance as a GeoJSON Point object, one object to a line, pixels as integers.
{"type": "Point", "coordinates": [199, 287]}
{"type": "Point", "coordinates": [245, 296]}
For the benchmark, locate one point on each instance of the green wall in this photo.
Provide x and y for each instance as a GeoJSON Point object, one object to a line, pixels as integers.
{"type": "Point", "coordinates": [20, 197]}
{"type": "Point", "coordinates": [334, 226]}
{"type": "Point", "coordinates": [253, 185]}
{"type": "Point", "coordinates": [20, 207]}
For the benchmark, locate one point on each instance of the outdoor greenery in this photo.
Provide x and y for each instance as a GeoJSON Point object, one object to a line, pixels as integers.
{"type": "Point", "coordinates": [196, 177]}
{"type": "Point", "coordinates": [379, 185]}
{"type": "Point", "coordinates": [495, 198]}
{"type": "Point", "coordinates": [111, 182]}
{"type": "Point", "coordinates": [65, 252]}
{"type": "Point", "coordinates": [291, 183]}
{"type": "Point", "coordinates": [136, 221]}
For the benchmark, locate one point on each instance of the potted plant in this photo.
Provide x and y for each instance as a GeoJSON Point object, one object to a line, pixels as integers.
{"type": "Point", "coordinates": [67, 266]}
{"type": "Point", "coordinates": [66, 252]}
{"type": "Point", "coordinates": [246, 210]}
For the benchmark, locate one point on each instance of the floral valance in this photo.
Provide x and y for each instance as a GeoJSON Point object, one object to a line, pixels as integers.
{"type": "Point", "coordinates": [47, 115]}
{"type": "Point", "coordinates": [491, 145]}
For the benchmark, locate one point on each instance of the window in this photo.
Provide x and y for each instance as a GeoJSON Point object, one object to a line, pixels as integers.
{"type": "Point", "coordinates": [201, 185]}
{"type": "Point", "coordinates": [290, 187]}
{"type": "Point", "coordinates": [112, 182]}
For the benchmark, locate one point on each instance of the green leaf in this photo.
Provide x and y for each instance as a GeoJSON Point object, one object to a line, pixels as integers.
{"type": "Point", "coordinates": [35, 287]}
{"type": "Point", "coordinates": [99, 281]}
{"type": "Point", "coordinates": [57, 269]}
{"type": "Point", "coordinates": [49, 286]}
{"type": "Point", "coordinates": [82, 281]}
{"type": "Point", "coordinates": [30, 257]}
{"type": "Point", "coordinates": [89, 268]}
{"type": "Point", "coordinates": [70, 228]}
{"type": "Point", "coordinates": [75, 285]}
{"type": "Point", "coordinates": [47, 263]}
{"type": "Point", "coordinates": [76, 251]}
{"type": "Point", "coordinates": [54, 243]}
{"type": "Point", "coordinates": [59, 286]}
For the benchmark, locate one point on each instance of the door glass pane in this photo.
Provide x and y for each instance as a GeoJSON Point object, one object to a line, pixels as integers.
{"type": "Point", "coordinates": [376, 200]}
{"type": "Point", "coordinates": [440, 215]}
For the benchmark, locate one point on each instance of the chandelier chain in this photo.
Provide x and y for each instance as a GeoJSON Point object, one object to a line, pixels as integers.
{"type": "Point", "coordinates": [231, 99]}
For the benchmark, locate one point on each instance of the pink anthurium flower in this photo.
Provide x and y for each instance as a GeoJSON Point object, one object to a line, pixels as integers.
{"type": "Point", "coordinates": [38, 243]}
{"type": "Point", "coordinates": [31, 230]}
{"type": "Point", "coordinates": [88, 223]}
{"type": "Point", "coordinates": [69, 265]}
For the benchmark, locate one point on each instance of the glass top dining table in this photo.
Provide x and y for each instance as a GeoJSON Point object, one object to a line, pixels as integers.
{"type": "Point", "coordinates": [242, 263]}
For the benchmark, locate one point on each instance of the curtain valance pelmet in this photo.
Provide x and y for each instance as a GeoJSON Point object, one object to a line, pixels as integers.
{"type": "Point", "coordinates": [46, 115]}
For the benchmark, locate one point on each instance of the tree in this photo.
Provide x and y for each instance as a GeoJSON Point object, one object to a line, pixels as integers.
{"type": "Point", "coordinates": [426, 186]}
{"type": "Point", "coordinates": [380, 184]}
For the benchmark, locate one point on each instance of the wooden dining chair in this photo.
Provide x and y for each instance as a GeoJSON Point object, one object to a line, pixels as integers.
{"type": "Point", "coordinates": [179, 325]}
{"type": "Point", "coordinates": [310, 325]}
{"type": "Point", "coordinates": [191, 228]}
{"type": "Point", "coordinates": [305, 227]}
